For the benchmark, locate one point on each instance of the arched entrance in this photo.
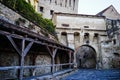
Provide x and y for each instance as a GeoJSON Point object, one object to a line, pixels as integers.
{"type": "Point", "coordinates": [86, 57]}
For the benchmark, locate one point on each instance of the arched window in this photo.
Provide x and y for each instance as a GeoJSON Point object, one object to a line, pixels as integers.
{"type": "Point", "coordinates": [86, 38]}
{"type": "Point", "coordinates": [64, 38]}
{"type": "Point", "coordinates": [95, 38]}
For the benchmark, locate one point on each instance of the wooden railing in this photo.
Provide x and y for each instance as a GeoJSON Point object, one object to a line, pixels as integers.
{"type": "Point", "coordinates": [36, 66]}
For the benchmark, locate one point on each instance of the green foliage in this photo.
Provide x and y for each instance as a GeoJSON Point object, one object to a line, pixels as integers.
{"type": "Point", "coordinates": [28, 12]}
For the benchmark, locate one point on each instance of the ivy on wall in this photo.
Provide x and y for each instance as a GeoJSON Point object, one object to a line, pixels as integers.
{"type": "Point", "coordinates": [27, 10]}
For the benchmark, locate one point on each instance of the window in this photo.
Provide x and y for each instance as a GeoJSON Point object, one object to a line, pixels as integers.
{"type": "Point", "coordinates": [64, 38]}
{"type": "Point", "coordinates": [41, 9]}
{"type": "Point", "coordinates": [65, 25]}
{"type": "Point", "coordinates": [73, 4]}
{"type": "Point", "coordinates": [50, 1]}
{"type": "Point", "coordinates": [65, 3]}
{"type": "Point", "coordinates": [69, 2]}
{"type": "Point", "coordinates": [51, 12]}
{"type": "Point", "coordinates": [86, 38]}
{"type": "Point", "coordinates": [55, 2]}
{"type": "Point", "coordinates": [86, 26]}
{"type": "Point", "coordinates": [76, 39]}
{"type": "Point", "coordinates": [96, 35]}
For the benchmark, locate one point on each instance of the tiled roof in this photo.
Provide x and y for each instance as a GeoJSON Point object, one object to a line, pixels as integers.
{"type": "Point", "coordinates": [100, 13]}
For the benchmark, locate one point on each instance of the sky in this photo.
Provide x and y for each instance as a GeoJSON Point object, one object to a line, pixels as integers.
{"type": "Point", "coordinates": [93, 7]}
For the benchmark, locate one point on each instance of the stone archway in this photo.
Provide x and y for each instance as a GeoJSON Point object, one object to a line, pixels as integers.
{"type": "Point", "coordinates": [86, 57]}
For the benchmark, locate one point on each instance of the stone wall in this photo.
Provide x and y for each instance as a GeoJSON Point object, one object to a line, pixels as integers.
{"type": "Point", "coordinates": [12, 59]}
{"type": "Point", "coordinates": [15, 18]}
{"type": "Point", "coordinates": [42, 60]}
{"type": "Point", "coordinates": [8, 59]}
{"type": "Point", "coordinates": [81, 25]}
{"type": "Point", "coordinates": [110, 55]}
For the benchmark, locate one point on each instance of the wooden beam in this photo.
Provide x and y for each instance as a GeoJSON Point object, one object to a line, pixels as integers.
{"type": "Point", "coordinates": [22, 60]}
{"type": "Point", "coordinates": [27, 48]}
{"type": "Point", "coordinates": [9, 68]}
{"type": "Point", "coordinates": [54, 52]}
{"type": "Point", "coordinates": [14, 45]}
{"type": "Point", "coordinates": [38, 42]}
{"type": "Point", "coordinates": [52, 58]}
{"type": "Point", "coordinates": [49, 51]}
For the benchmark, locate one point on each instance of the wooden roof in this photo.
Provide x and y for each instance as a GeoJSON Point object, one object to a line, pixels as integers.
{"type": "Point", "coordinates": [7, 28]}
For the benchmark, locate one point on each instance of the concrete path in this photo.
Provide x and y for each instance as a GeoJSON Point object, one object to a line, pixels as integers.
{"type": "Point", "coordinates": [92, 74]}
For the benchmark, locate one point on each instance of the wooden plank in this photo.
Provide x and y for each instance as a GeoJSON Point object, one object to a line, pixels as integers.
{"type": "Point", "coordinates": [14, 44]}
{"type": "Point", "coordinates": [30, 67]}
{"type": "Point", "coordinates": [27, 48]}
{"type": "Point", "coordinates": [9, 68]}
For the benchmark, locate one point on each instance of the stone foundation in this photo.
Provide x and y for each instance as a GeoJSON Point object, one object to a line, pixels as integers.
{"type": "Point", "coordinates": [9, 59]}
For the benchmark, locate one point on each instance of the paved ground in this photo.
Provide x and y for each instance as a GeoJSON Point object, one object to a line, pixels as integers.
{"type": "Point", "coordinates": [92, 74]}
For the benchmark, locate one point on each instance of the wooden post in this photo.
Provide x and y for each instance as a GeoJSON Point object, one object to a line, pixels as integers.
{"type": "Point", "coordinates": [53, 61]}
{"type": "Point", "coordinates": [52, 53]}
{"type": "Point", "coordinates": [22, 52]}
{"type": "Point", "coordinates": [69, 59]}
{"type": "Point", "coordinates": [22, 60]}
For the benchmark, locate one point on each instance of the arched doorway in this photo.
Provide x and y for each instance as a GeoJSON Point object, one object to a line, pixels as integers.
{"type": "Point", "coordinates": [86, 57]}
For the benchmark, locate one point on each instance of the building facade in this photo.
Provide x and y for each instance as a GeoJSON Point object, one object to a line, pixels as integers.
{"type": "Point", "coordinates": [95, 38]}
{"type": "Point", "coordinates": [111, 47]}
{"type": "Point", "coordinates": [81, 31]}
{"type": "Point", "coordinates": [86, 33]}
{"type": "Point", "coordinates": [48, 7]}
{"type": "Point", "coordinates": [34, 3]}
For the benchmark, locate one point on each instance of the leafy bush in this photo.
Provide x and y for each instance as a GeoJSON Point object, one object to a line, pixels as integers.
{"type": "Point", "coordinates": [27, 10]}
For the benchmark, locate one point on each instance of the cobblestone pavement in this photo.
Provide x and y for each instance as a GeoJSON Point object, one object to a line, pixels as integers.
{"type": "Point", "coordinates": [92, 74]}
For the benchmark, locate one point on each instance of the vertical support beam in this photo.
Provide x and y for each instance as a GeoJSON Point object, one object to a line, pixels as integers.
{"type": "Point", "coordinates": [22, 60]}
{"type": "Point", "coordinates": [52, 53]}
{"type": "Point", "coordinates": [22, 53]}
{"type": "Point", "coordinates": [53, 59]}
{"type": "Point", "coordinates": [70, 59]}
